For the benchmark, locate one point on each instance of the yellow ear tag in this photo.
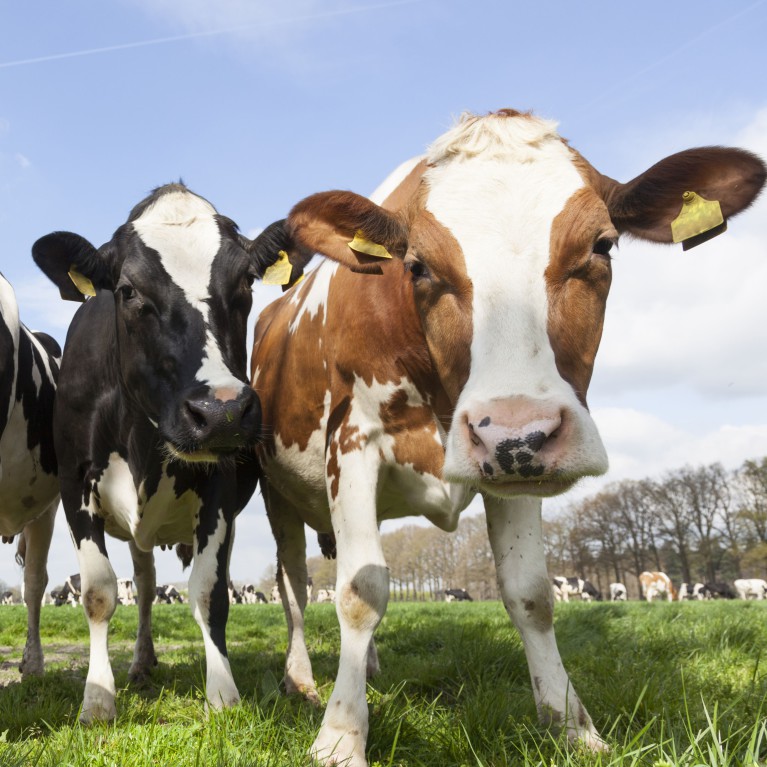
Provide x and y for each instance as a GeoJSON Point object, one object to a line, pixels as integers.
{"type": "Point", "coordinates": [279, 272]}
{"type": "Point", "coordinates": [698, 221]}
{"type": "Point", "coordinates": [82, 283]}
{"type": "Point", "coordinates": [361, 245]}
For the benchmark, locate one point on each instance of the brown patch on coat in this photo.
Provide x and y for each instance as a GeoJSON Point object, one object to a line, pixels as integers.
{"type": "Point", "coordinates": [98, 607]}
{"type": "Point", "coordinates": [578, 282]}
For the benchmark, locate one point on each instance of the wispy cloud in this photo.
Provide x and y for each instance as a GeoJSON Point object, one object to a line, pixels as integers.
{"type": "Point", "coordinates": [240, 28]}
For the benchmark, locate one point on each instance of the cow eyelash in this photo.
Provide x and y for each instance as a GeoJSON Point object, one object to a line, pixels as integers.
{"type": "Point", "coordinates": [603, 247]}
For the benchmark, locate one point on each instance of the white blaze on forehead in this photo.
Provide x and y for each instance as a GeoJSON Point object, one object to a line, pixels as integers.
{"type": "Point", "coordinates": [182, 228]}
{"type": "Point", "coordinates": [497, 183]}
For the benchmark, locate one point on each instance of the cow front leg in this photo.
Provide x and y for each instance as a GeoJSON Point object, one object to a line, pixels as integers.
{"type": "Point", "coordinates": [290, 536]}
{"type": "Point", "coordinates": [516, 537]}
{"type": "Point", "coordinates": [144, 657]}
{"type": "Point", "coordinates": [37, 539]}
{"type": "Point", "coordinates": [209, 598]}
{"type": "Point", "coordinates": [362, 593]}
{"type": "Point", "coordinates": [99, 599]}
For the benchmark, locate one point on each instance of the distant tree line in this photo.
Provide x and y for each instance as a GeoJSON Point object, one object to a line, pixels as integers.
{"type": "Point", "coordinates": [703, 524]}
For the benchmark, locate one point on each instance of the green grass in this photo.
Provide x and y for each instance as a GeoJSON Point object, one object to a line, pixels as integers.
{"type": "Point", "coordinates": [666, 684]}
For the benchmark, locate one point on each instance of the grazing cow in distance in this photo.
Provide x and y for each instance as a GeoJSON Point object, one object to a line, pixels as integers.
{"type": "Point", "coordinates": [125, 594]}
{"type": "Point", "coordinates": [251, 596]}
{"type": "Point", "coordinates": [618, 592]}
{"type": "Point", "coordinates": [154, 415]}
{"type": "Point", "coordinates": [654, 584]}
{"type": "Point", "coordinates": [718, 590]}
{"type": "Point", "coordinates": [690, 591]}
{"type": "Point", "coordinates": [69, 593]}
{"type": "Point", "coordinates": [7, 598]}
{"type": "Point", "coordinates": [751, 588]}
{"type": "Point", "coordinates": [29, 486]}
{"type": "Point", "coordinates": [457, 595]}
{"type": "Point", "coordinates": [448, 352]}
{"type": "Point", "coordinates": [168, 595]}
{"type": "Point", "coordinates": [575, 587]}
{"type": "Point", "coordinates": [326, 595]}
{"type": "Point", "coordinates": [235, 597]}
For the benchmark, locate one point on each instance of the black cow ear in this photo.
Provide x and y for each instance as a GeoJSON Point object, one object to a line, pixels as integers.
{"type": "Point", "coordinates": [74, 265]}
{"type": "Point", "coordinates": [278, 258]}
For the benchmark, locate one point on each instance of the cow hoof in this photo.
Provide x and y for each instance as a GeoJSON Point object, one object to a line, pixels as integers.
{"type": "Point", "coordinates": [588, 740]}
{"type": "Point", "coordinates": [98, 712]}
{"type": "Point", "coordinates": [334, 747]}
{"type": "Point", "coordinates": [307, 691]}
{"type": "Point", "coordinates": [31, 665]}
{"type": "Point", "coordinates": [222, 699]}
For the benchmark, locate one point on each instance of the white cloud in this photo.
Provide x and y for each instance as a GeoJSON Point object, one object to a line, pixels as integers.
{"type": "Point", "coordinates": [22, 161]}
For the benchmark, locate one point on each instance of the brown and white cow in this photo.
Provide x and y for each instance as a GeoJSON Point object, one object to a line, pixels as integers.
{"type": "Point", "coordinates": [656, 584]}
{"type": "Point", "coordinates": [459, 365]}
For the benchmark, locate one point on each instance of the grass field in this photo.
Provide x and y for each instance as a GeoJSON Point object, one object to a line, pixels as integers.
{"type": "Point", "coordinates": [666, 684]}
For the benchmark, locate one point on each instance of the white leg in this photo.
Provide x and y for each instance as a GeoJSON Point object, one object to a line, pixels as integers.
{"type": "Point", "coordinates": [209, 600]}
{"type": "Point", "coordinates": [144, 658]}
{"type": "Point", "coordinates": [290, 536]}
{"type": "Point", "coordinates": [99, 599]}
{"type": "Point", "coordinates": [362, 592]}
{"type": "Point", "coordinates": [37, 535]}
{"type": "Point", "coordinates": [516, 537]}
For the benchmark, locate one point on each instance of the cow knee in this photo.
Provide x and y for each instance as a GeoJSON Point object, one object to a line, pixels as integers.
{"type": "Point", "coordinates": [362, 600]}
{"type": "Point", "coordinates": [99, 603]}
{"type": "Point", "coordinates": [530, 603]}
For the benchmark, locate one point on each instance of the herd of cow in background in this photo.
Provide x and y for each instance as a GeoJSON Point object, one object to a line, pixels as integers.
{"type": "Point", "coordinates": [498, 239]}
{"type": "Point", "coordinates": [657, 585]}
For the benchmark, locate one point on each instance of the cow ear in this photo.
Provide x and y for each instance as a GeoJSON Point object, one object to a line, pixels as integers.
{"type": "Point", "coordinates": [646, 206]}
{"type": "Point", "coordinates": [73, 264]}
{"type": "Point", "coordinates": [348, 228]}
{"type": "Point", "coordinates": [277, 257]}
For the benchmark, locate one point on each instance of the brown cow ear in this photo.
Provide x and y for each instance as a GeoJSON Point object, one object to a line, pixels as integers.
{"type": "Point", "coordinates": [646, 206]}
{"type": "Point", "coordinates": [348, 228]}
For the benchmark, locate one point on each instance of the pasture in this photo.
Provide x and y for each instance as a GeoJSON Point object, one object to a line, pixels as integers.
{"type": "Point", "coordinates": [666, 684]}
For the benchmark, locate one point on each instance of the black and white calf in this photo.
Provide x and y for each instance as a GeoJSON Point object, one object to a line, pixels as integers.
{"type": "Point", "coordinates": [29, 487]}
{"type": "Point", "coordinates": [153, 412]}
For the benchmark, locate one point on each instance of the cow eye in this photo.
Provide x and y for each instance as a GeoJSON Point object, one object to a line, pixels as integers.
{"type": "Point", "coordinates": [603, 248]}
{"type": "Point", "coordinates": [127, 292]}
{"type": "Point", "coordinates": [417, 270]}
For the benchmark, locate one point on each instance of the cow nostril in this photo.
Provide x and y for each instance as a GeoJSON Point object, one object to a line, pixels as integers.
{"type": "Point", "coordinates": [196, 414]}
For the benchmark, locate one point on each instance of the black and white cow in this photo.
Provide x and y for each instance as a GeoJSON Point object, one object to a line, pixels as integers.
{"type": "Point", "coordinates": [251, 596]}
{"type": "Point", "coordinates": [69, 593]}
{"type": "Point", "coordinates": [457, 595]}
{"type": "Point", "coordinates": [167, 595]}
{"type": "Point", "coordinates": [153, 411]}
{"type": "Point", "coordinates": [689, 591]}
{"type": "Point", "coordinates": [7, 598]}
{"type": "Point", "coordinates": [718, 590]}
{"type": "Point", "coordinates": [575, 587]}
{"type": "Point", "coordinates": [618, 592]}
{"type": "Point", "coordinates": [751, 588]}
{"type": "Point", "coordinates": [29, 486]}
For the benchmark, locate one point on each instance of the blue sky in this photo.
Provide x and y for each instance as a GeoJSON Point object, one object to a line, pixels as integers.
{"type": "Point", "coordinates": [257, 104]}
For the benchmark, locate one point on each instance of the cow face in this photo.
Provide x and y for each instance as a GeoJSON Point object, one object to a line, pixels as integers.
{"type": "Point", "coordinates": [506, 246]}
{"type": "Point", "coordinates": [178, 278]}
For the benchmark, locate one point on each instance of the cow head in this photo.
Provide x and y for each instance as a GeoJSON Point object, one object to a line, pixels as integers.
{"type": "Point", "coordinates": [506, 246]}
{"type": "Point", "coordinates": [177, 277]}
